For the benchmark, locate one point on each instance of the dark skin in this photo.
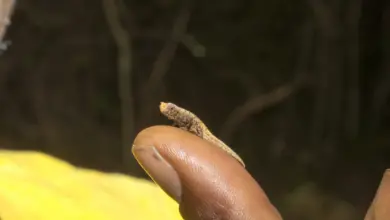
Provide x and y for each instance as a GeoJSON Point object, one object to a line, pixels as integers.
{"type": "Point", "coordinates": [210, 184]}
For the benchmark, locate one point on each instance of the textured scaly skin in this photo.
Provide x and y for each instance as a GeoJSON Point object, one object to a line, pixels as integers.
{"type": "Point", "coordinates": [188, 121]}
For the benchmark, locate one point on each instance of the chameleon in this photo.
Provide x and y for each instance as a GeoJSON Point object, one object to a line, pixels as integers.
{"type": "Point", "coordinates": [189, 122]}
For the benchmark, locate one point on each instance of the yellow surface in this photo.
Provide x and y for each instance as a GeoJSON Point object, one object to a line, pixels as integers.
{"type": "Point", "coordinates": [36, 186]}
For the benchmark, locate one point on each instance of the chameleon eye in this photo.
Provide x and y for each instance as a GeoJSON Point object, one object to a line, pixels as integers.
{"type": "Point", "coordinates": [170, 106]}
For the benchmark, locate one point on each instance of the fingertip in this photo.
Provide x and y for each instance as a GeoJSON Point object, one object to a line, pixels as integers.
{"type": "Point", "coordinates": [207, 175]}
{"type": "Point", "coordinates": [156, 166]}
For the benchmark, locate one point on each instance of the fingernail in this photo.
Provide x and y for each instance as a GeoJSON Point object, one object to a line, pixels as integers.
{"type": "Point", "coordinates": [158, 169]}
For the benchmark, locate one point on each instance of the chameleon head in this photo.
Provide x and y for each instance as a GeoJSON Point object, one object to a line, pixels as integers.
{"type": "Point", "coordinates": [168, 109]}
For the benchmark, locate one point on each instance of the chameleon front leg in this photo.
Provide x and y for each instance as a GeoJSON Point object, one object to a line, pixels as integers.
{"type": "Point", "coordinates": [197, 130]}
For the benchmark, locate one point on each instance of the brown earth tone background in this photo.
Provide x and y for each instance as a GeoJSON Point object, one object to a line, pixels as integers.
{"type": "Point", "coordinates": [300, 89]}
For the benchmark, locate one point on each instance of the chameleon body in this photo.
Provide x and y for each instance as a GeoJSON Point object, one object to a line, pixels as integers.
{"type": "Point", "coordinates": [188, 121]}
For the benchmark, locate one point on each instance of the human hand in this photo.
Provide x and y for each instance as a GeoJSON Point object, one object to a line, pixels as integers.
{"type": "Point", "coordinates": [204, 180]}
{"type": "Point", "coordinates": [379, 209]}
{"type": "Point", "coordinates": [210, 184]}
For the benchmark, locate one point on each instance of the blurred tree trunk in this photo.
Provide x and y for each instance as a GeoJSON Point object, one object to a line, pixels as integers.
{"type": "Point", "coordinates": [329, 66]}
{"type": "Point", "coordinates": [352, 110]}
{"type": "Point", "coordinates": [381, 93]}
{"type": "Point", "coordinates": [336, 109]}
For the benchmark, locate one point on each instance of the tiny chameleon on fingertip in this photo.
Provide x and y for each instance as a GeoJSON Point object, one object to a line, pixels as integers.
{"type": "Point", "coordinates": [188, 121]}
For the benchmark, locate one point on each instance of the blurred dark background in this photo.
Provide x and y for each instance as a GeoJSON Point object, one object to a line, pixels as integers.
{"type": "Point", "coordinates": [300, 89]}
